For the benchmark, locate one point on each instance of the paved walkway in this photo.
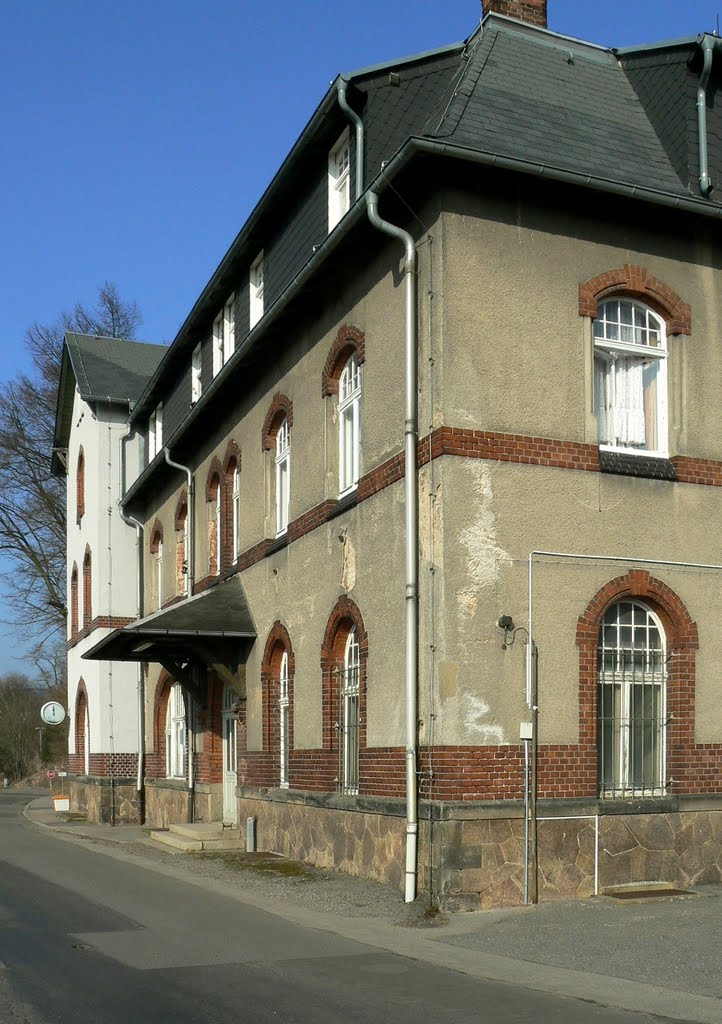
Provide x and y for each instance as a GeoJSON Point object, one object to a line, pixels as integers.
{"type": "Point", "coordinates": [658, 956]}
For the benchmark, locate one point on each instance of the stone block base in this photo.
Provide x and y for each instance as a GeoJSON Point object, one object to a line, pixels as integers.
{"type": "Point", "coordinates": [103, 800]}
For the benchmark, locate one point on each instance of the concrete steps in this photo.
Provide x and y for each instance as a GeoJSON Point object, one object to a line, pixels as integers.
{"type": "Point", "coordinates": [199, 837]}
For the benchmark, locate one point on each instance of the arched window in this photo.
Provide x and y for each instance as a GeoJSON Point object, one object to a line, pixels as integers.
{"type": "Point", "coordinates": [283, 475]}
{"type": "Point", "coordinates": [631, 698]}
{"type": "Point", "coordinates": [277, 679]}
{"type": "Point", "coordinates": [283, 721]}
{"type": "Point", "coordinates": [350, 716]}
{"type": "Point", "coordinates": [236, 501]}
{"type": "Point", "coordinates": [630, 377]}
{"type": "Point", "coordinates": [182, 545]}
{"type": "Point", "coordinates": [74, 603]}
{"type": "Point", "coordinates": [228, 524]}
{"type": "Point", "coordinates": [349, 426]}
{"type": "Point", "coordinates": [214, 505]}
{"type": "Point", "coordinates": [156, 551]}
{"type": "Point", "coordinates": [82, 730]}
{"type": "Point", "coordinates": [175, 733]}
{"type": "Point", "coordinates": [87, 589]}
{"type": "Point", "coordinates": [80, 485]}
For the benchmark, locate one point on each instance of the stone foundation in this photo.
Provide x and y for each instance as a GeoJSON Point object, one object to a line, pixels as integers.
{"type": "Point", "coordinates": [166, 802]}
{"type": "Point", "coordinates": [104, 800]}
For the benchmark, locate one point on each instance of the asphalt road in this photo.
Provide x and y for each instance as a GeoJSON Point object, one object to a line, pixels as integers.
{"type": "Point", "coordinates": [87, 937]}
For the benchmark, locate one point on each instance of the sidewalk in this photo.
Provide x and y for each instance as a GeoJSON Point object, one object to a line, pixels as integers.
{"type": "Point", "coordinates": [659, 956]}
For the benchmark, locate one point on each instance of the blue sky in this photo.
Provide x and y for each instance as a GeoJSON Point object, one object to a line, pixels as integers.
{"type": "Point", "coordinates": [136, 137]}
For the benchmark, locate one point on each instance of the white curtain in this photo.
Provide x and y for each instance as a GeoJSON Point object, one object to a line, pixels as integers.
{"type": "Point", "coordinates": [602, 399]}
{"type": "Point", "coordinates": [630, 426]}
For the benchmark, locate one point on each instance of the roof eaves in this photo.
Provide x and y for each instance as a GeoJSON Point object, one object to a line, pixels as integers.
{"type": "Point", "coordinates": [416, 58]}
{"type": "Point", "coordinates": [669, 44]}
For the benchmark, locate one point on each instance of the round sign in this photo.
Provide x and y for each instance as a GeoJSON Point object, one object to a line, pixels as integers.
{"type": "Point", "coordinates": [50, 773]}
{"type": "Point", "coordinates": [52, 713]}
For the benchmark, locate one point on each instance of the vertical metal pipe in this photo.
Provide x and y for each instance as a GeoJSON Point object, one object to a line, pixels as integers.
{"type": "Point", "coordinates": [341, 87]}
{"type": "Point", "coordinates": [708, 46]}
{"type": "Point", "coordinates": [412, 537]}
{"type": "Point", "coordinates": [532, 834]}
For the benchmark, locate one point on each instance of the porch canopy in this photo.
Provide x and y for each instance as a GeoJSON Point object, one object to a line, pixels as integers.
{"type": "Point", "coordinates": [213, 629]}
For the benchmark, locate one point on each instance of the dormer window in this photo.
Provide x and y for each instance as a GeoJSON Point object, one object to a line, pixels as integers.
{"type": "Point", "coordinates": [196, 381]}
{"type": "Point", "coordinates": [339, 181]}
{"type": "Point", "coordinates": [256, 290]}
{"type": "Point", "coordinates": [224, 335]}
{"type": "Point", "coordinates": [155, 432]}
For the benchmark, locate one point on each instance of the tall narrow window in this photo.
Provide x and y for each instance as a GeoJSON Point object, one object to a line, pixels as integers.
{"type": "Point", "coordinates": [339, 181]}
{"type": "Point", "coordinates": [159, 573]}
{"type": "Point", "coordinates": [156, 552]}
{"type": "Point", "coordinates": [349, 418]}
{"type": "Point", "coordinates": [87, 590]}
{"type": "Point", "coordinates": [283, 703]}
{"type": "Point", "coordinates": [256, 290]}
{"type": "Point", "coordinates": [175, 734]}
{"type": "Point", "coordinates": [630, 377]}
{"type": "Point", "coordinates": [182, 549]}
{"type": "Point", "coordinates": [236, 510]}
{"type": "Point", "coordinates": [80, 485]}
{"type": "Point", "coordinates": [631, 684]}
{"type": "Point", "coordinates": [74, 603]}
{"type": "Point", "coordinates": [155, 432]}
{"type": "Point", "coordinates": [219, 528]}
{"type": "Point", "coordinates": [196, 378]}
{"type": "Point", "coordinates": [283, 476]}
{"type": "Point", "coordinates": [350, 716]}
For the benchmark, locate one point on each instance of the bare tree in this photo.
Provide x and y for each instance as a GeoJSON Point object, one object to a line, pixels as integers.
{"type": "Point", "coordinates": [32, 500]}
{"type": "Point", "coordinates": [19, 723]}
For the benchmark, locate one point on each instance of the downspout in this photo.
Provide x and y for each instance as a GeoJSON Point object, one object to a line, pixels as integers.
{"type": "Point", "coordinates": [132, 521]}
{"type": "Point", "coordinates": [190, 521]}
{"type": "Point", "coordinates": [190, 527]}
{"type": "Point", "coordinates": [343, 103]}
{"type": "Point", "coordinates": [708, 45]}
{"type": "Point", "coordinates": [412, 537]}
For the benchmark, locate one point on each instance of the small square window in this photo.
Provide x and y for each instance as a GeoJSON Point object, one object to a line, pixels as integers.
{"type": "Point", "coordinates": [155, 432]}
{"type": "Point", "coordinates": [224, 335]}
{"type": "Point", "coordinates": [196, 381]}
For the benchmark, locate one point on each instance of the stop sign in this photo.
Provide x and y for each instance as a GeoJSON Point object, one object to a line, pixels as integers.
{"type": "Point", "coordinates": [50, 773]}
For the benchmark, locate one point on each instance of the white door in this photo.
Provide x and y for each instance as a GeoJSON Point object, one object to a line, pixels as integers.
{"type": "Point", "coordinates": [230, 777]}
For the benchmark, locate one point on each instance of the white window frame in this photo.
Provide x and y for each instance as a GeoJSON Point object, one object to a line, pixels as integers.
{"type": "Point", "coordinates": [631, 669]}
{"type": "Point", "coordinates": [196, 374]}
{"type": "Point", "coordinates": [614, 352]}
{"type": "Point", "coordinates": [350, 715]}
{"type": "Point", "coordinates": [86, 739]}
{"type": "Point", "coordinates": [283, 476]}
{"type": "Point", "coordinates": [339, 180]}
{"type": "Point", "coordinates": [236, 510]}
{"type": "Point", "coordinates": [283, 705]}
{"type": "Point", "coordinates": [255, 285]}
{"type": "Point", "coordinates": [224, 335]}
{"type": "Point", "coordinates": [349, 426]}
{"type": "Point", "coordinates": [159, 573]}
{"type": "Point", "coordinates": [155, 432]}
{"type": "Point", "coordinates": [175, 734]}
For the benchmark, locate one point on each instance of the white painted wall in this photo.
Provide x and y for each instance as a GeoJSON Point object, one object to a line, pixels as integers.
{"type": "Point", "coordinates": [111, 686]}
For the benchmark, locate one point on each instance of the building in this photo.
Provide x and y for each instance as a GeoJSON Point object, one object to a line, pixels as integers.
{"type": "Point", "coordinates": [100, 379]}
{"type": "Point", "coordinates": [494, 676]}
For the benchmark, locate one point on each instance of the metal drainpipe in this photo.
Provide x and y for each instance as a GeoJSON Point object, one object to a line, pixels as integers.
{"type": "Point", "coordinates": [343, 103]}
{"type": "Point", "coordinates": [132, 521]}
{"type": "Point", "coordinates": [412, 538]}
{"type": "Point", "coordinates": [190, 521]}
{"type": "Point", "coordinates": [708, 45]}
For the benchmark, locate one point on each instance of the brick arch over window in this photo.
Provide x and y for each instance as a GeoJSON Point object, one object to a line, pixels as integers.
{"type": "Point", "coordinates": [232, 457]}
{"type": "Point", "coordinates": [344, 617]}
{"type": "Point", "coordinates": [74, 602]}
{"type": "Point", "coordinates": [681, 635]}
{"type": "Point", "coordinates": [155, 762]}
{"type": "Point", "coordinates": [180, 522]}
{"type": "Point", "coordinates": [80, 485]}
{"type": "Point", "coordinates": [277, 643]}
{"type": "Point", "coordinates": [349, 340]}
{"type": "Point", "coordinates": [181, 510]}
{"type": "Point", "coordinates": [87, 588]}
{"type": "Point", "coordinates": [156, 537]}
{"type": "Point", "coordinates": [637, 283]}
{"type": "Point", "coordinates": [81, 710]}
{"type": "Point", "coordinates": [213, 479]}
{"type": "Point", "coordinates": [281, 408]}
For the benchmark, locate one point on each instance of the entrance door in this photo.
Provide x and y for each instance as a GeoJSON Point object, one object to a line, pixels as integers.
{"type": "Point", "coordinates": [230, 776]}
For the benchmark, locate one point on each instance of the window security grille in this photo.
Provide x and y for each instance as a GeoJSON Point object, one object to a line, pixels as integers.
{"type": "Point", "coordinates": [631, 694]}
{"type": "Point", "coordinates": [283, 721]}
{"type": "Point", "coordinates": [350, 718]}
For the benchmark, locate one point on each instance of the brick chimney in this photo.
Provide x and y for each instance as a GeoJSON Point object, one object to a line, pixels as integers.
{"type": "Point", "coordinates": [533, 12]}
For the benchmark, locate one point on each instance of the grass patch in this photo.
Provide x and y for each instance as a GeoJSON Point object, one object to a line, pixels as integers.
{"type": "Point", "coordinates": [262, 864]}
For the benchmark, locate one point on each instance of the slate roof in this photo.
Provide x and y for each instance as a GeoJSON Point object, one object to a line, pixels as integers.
{"type": "Point", "coordinates": [102, 369]}
{"type": "Point", "coordinates": [534, 96]}
{"type": "Point", "coordinates": [112, 368]}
